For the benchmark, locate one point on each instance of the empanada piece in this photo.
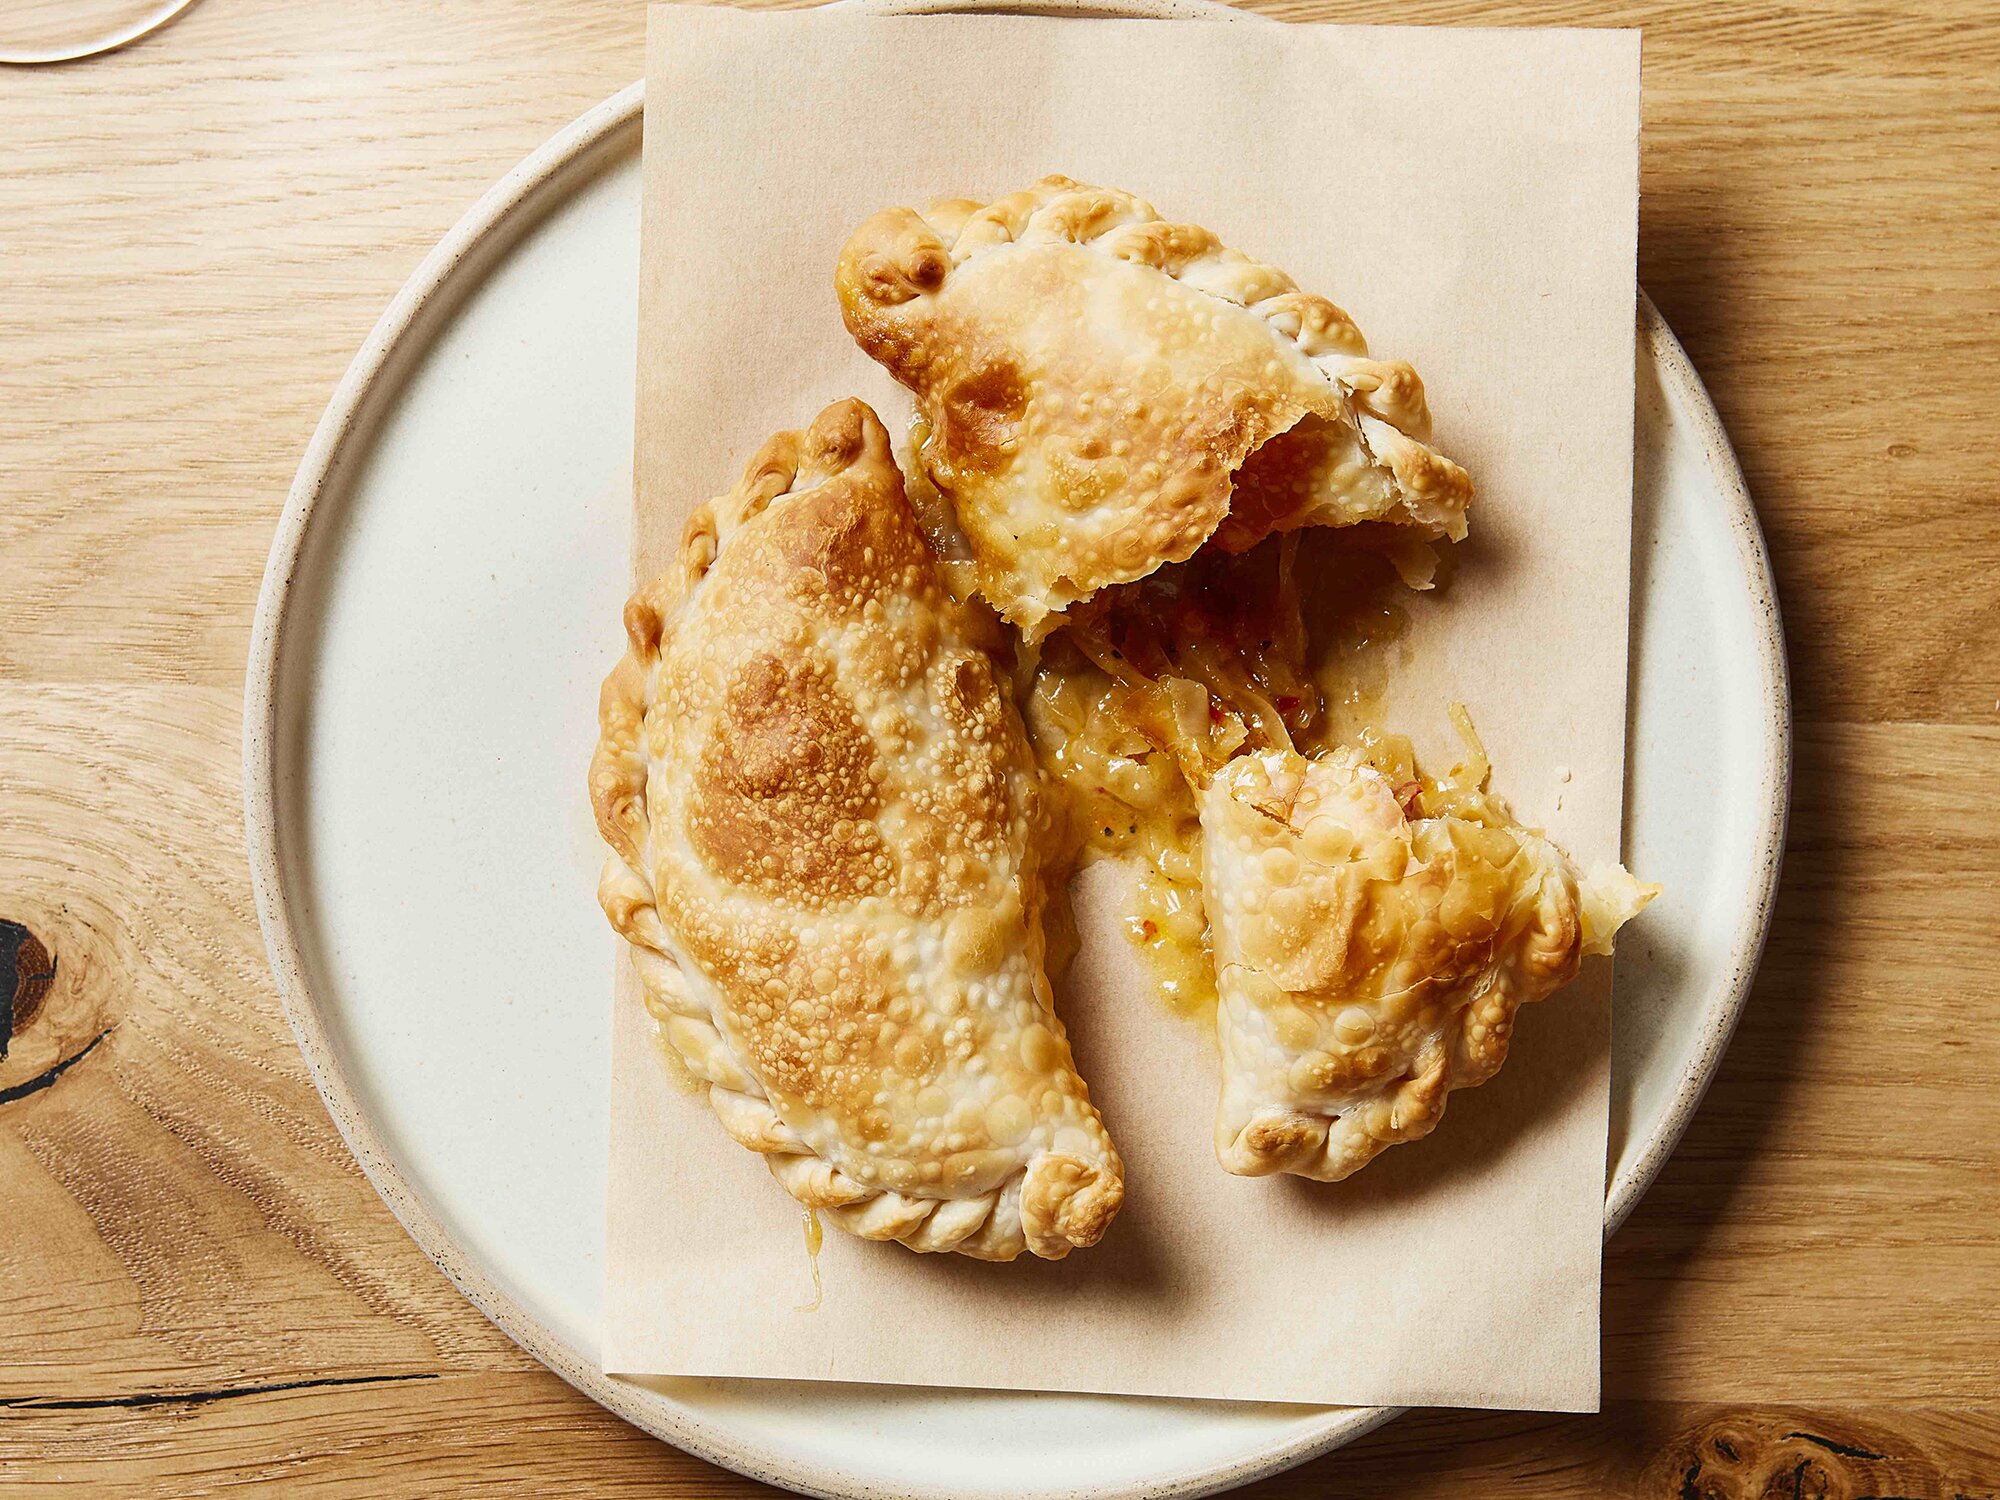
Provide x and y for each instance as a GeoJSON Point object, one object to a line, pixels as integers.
{"type": "Point", "coordinates": [828, 824]}
{"type": "Point", "coordinates": [1104, 391]}
{"type": "Point", "coordinates": [1369, 963]}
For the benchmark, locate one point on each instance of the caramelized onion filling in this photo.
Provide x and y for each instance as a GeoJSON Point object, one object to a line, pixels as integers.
{"type": "Point", "coordinates": [1148, 688]}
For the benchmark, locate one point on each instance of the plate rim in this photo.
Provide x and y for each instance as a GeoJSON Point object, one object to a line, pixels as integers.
{"type": "Point", "coordinates": [493, 225]}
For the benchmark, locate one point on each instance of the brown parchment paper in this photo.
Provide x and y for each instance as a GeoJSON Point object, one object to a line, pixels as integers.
{"type": "Point", "coordinates": [1471, 198]}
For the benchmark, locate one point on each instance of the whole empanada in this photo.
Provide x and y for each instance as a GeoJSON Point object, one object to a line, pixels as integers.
{"type": "Point", "coordinates": [829, 834]}
{"type": "Point", "coordinates": [1103, 392]}
{"type": "Point", "coordinates": [1370, 962]}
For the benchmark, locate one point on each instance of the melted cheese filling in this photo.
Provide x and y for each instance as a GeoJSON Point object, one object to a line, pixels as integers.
{"type": "Point", "coordinates": [1126, 798]}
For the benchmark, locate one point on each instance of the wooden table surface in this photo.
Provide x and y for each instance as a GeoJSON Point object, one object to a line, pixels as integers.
{"type": "Point", "coordinates": [198, 1289]}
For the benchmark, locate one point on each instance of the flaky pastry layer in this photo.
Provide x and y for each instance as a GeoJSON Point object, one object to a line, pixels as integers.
{"type": "Point", "coordinates": [1370, 962]}
{"type": "Point", "coordinates": [1104, 391]}
{"type": "Point", "coordinates": [828, 827]}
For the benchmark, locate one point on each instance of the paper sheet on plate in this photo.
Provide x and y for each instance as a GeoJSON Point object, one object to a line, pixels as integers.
{"type": "Point", "coordinates": [1470, 197]}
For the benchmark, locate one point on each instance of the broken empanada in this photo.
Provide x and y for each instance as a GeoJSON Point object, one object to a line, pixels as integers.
{"type": "Point", "coordinates": [829, 834]}
{"type": "Point", "coordinates": [1369, 961]}
{"type": "Point", "coordinates": [1101, 392]}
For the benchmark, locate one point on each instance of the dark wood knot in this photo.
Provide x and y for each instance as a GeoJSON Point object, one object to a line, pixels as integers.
{"type": "Point", "coordinates": [27, 974]}
{"type": "Point", "coordinates": [1790, 1455]}
{"type": "Point", "coordinates": [45, 1029]}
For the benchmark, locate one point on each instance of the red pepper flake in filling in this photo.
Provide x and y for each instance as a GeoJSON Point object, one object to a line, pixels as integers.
{"type": "Point", "coordinates": [1149, 929]}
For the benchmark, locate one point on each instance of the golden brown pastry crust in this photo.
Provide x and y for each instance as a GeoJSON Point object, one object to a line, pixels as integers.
{"type": "Point", "coordinates": [1369, 963]}
{"type": "Point", "coordinates": [1105, 391]}
{"type": "Point", "coordinates": [827, 827]}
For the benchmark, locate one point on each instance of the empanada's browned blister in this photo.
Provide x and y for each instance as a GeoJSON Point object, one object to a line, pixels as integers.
{"type": "Point", "coordinates": [830, 835]}
{"type": "Point", "coordinates": [1103, 392]}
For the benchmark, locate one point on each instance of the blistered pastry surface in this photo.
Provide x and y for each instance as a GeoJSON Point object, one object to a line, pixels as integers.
{"type": "Point", "coordinates": [828, 830]}
{"type": "Point", "coordinates": [1093, 378]}
{"type": "Point", "coordinates": [1368, 962]}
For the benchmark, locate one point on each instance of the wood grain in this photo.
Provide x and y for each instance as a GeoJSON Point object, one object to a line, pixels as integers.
{"type": "Point", "coordinates": [198, 1290]}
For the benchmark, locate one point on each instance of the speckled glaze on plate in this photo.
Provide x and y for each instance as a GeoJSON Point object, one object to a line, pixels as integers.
{"type": "Point", "coordinates": [440, 604]}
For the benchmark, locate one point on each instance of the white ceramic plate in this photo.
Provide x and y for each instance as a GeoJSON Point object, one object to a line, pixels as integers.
{"type": "Point", "coordinates": [441, 602]}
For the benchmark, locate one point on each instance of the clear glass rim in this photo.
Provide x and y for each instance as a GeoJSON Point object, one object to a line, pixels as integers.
{"type": "Point", "coordinates": [110, 41]}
